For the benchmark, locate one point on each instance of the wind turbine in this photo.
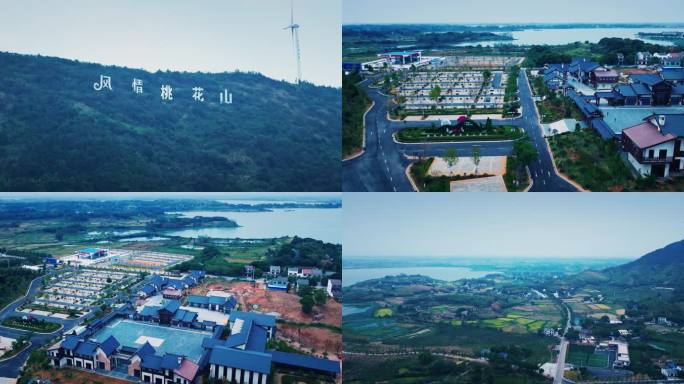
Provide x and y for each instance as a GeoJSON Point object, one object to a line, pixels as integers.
{"type": "Point", "coordinates": [295, 41]}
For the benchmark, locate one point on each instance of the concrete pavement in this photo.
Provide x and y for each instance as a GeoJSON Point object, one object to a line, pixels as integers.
{"type": "Point", "coordinates": [381, 168]}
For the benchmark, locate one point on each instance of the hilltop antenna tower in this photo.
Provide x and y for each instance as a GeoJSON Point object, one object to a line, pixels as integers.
{"type": "Point", "coordinates": [294, 28]}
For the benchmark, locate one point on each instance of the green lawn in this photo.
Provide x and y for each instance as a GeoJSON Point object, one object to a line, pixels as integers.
{"type": "Point", "coordinates": [516, 177]}
{"type": "Point", "coordinates": [584, 356]}
{"type": "Point", "coordinates": [558, 108]}
{"type": "Point", "coordinates": [449, 111]}
{"type": "Point", "coordinates": [438, 134]}
{"type": "Point", "coordinates": [30, 325]}
{"type": "Point", "coordinates": [591, 161]}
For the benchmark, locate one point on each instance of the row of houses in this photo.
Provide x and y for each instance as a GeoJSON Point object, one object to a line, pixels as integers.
{"type": "Point", "coordinates": [142, 363]}
{"type": "Point", "coordinates": [643, 59]}
{"type": "Point", "coordinates": [242, 357]}
{"type": "Point", "coordinates": [171, 288]}
{"type": "Point", "coordinates": [333, 286]}
{"type": "Point", "coordinates": [661, 89]}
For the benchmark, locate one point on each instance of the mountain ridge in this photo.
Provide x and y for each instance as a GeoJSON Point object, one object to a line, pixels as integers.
{"type": "Point", "coordinates": [59, 134]}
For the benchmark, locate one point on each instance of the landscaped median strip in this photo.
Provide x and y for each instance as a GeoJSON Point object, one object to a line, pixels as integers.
{"type": "Point", "coordinates": [363, 143]}
{"type": "Point", "coordinates": [439, 135]}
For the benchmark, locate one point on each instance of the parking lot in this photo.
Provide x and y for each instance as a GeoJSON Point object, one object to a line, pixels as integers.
{"type": "Point", "coordinates": [137, 260]}
{"type": "Point", "coordinates": [80, 289]}
{"type": "Point", "coordinates": [464, 89]}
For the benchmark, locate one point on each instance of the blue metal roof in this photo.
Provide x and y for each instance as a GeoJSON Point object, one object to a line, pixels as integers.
{"type": "Point", "coordinates": [179, 284]}
{"type": "Point", "coordinates": [626, 90]}
{"type": "Point", "coordinates": [257, 339]}
{"type": "Point", "coordinates": [157, 280]}
{"type": "Point", "coordinates": [647, 78]}
{"type": "Point", "coordinates": [146, 349]}
{"type": "Point", "coordinates": [89, 249]}
{"type": "Point", "coordinates": [185, 316]}
{"type": "Point", "coordinates": [237, 358]}
{"type": "Point", "coordinates": [603, 129]}
{"type": "Point", "coordinates": [171, 306]}
{"type": "Point", "coordinates": [259, 318]}
{"type": "Point", "coordinates": [151, 362]}
{"type": "Point", "coordinates": [86, 348]}
{"type": "Point", "coordinates": [209, 342]}
{"type": "Point", "coordinates": [304, 361]}
{"type": "Point", "coordinates": [171, 361]}
{"type": "Point", "coordinates": [674, 124]}
{"type": "Point", "coordinates": [109, 345]}
{"type": "Point", "coordinates": [150, 311]}
{"type": "Point", "coordinates": [148, 289]}
{"type": "Point", "coordinates": [673, 74]}
{"type": "Point", "coordinates": [70, 342]}
{"type": "Point", "coordinates": [641, 89]}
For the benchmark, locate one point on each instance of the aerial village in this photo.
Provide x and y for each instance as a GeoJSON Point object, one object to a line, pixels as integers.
{"type": "Point", "coordinates": [124, 316]}
{"type": "Point", "coordinates": [640, 106]}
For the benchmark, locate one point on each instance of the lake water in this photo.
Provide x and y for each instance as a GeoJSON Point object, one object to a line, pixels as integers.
{"type": "Point", "coordinates": [571, 35]}
{"type": "Point", "coordinates": [354, 275]}
{"type": "Point", "coordinates": [318, 223]}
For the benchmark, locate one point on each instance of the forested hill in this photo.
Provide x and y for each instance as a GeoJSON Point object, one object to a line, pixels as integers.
{"type": "Point", "coordinates": [57, 133]}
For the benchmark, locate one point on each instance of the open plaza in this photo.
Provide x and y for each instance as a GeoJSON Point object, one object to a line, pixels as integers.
{"type": "Point", "coordinates": [78, 290]}
{"type": "Point", "coordinates": [126, 259]}
{"type": "Point", "coordinates": [458, 90]}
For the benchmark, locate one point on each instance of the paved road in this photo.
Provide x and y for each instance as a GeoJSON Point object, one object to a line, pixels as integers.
{"type": "Point", "coordinates": [542, 171]}
{"type": "Point", "coordinates": [12, 367]}
{"type": "Point", "coordinates": [560, 365]}
{"type": "Point", "coordinates": [382, 166]}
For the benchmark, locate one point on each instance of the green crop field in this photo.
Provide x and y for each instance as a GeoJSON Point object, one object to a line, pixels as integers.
{"type": "Point", "coordinates": [585, 356]}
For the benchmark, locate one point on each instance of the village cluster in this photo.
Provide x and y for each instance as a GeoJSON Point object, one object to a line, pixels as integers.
{"type": "Point", "coordinates": [169, 342]}
{"type": "Point", "coordinates": [641, 107]}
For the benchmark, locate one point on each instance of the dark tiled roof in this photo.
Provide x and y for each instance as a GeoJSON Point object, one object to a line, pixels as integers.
{"type": "Point", "coordinates": [151, 362]}
{"type": "Point", "coordinates": [70, 342]}
{"type": "Point", "coordinates": [648, 79]}
{"type": "Point", "coordinates": [304, 361]}
{"type": "Point", "coordinates": [673, 74]}
{"type": "Point", "coordinates": [236, 358]}
{"type": "Point", "coordinates": [674, 124]}
{"type": "Point", "coordinates": [110, 345]}
{"type": "Point", "coordinates": [86, 348]}
{"type": "Point", "coordinates": [259, 318]}
{"type": "Point", "coordinates": [171, 361]}
{"type": "Point", "coordinates": [146, 349]}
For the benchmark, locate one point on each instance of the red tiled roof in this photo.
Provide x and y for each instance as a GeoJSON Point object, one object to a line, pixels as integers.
{"type": "Point", "coordinates": [187, 369]}
{"type": "Point", "coordinates": [608, 73]}
{"type": "Point", "coordinates": [646, 135]}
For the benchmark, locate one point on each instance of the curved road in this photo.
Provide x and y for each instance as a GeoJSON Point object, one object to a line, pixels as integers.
{"type": "Point", "coordinates": [381, 168]}
{"type": "Point", "coordinates": [12, 367]}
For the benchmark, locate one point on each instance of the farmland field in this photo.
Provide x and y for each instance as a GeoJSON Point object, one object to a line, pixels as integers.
{"type": "Point", "coordinates": [585, 356]}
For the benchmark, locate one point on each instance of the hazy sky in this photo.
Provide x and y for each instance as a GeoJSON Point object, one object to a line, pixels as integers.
{"type": "Point", "coordinates": [510, 11]}
{"type": "Point", "coordinates": [507, 225]}
{"type": "Point", "coordinates": [209, 35]}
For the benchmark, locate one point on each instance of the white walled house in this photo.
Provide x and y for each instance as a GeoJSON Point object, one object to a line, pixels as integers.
{"type": "Point", "coordinates": [656, 146]}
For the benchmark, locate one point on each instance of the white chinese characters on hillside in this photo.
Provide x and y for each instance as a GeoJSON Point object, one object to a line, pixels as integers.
{"type": "Point", "coordinates": [105, 82]}
{"type": "Point", "coordinates": [166, 90]}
